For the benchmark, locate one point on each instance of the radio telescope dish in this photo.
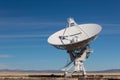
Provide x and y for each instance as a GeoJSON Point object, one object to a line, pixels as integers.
{"type": "Point", "coordinates": [75, 39]}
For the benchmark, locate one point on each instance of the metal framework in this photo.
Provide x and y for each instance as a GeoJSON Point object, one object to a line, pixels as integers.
{"type": "Point", "coordinates": [75, 39]}
{"type": "Point", "coordinates": [77, 58]}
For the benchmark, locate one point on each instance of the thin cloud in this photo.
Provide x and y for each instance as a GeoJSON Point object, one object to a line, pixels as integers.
{"type": "Point", "coordinates": [5, 56]}
{"type": "Point", "coordinates": [19, 47]}
{"type": "Point", "coordinates": [24, 36]}
{"type": "Point", "coordinates": [27, 21]}
{"type": "Point", "coordinates": [3, 66]}
{"type": "Point", "coordinates": [111, 32]}
{"type": "Point", "coordinates": [110, 24]}
{"type": "Point", "coordinates": [110, 29]}
{"type": "Point", "coordinates": [30, 23]}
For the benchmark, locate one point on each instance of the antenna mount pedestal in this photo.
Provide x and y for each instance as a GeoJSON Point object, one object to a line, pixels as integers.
{"type": "Point", "coordinates": [78, 57]}
{"type": "Point", "coordinates": [75, 39]}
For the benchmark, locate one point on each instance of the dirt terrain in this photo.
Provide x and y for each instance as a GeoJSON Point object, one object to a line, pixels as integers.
{"type": "Point", "coordinates": [57, 76]}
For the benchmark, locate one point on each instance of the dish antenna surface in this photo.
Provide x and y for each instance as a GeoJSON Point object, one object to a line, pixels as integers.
{"type": "Point", "coordinates": [75, 39]}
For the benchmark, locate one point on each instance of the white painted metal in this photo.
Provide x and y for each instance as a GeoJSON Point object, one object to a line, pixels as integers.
{"type": "Point", "coordinates": [75, 39]}
{"type": "Point", "coordinates": [75, 33]}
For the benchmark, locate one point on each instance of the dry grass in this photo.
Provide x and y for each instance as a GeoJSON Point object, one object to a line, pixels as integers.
{"type": "Point", "coordinates": [56, 76]}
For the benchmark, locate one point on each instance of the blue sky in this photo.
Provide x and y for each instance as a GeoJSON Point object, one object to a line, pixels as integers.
{"type": "Point", "coordinates": [25, 26]}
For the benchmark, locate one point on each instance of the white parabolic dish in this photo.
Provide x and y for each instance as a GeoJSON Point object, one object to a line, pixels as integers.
{"type": "Point", "coordinates": [74, 37]}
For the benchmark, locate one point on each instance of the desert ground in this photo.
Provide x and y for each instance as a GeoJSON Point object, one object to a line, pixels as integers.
{"type": "Point", "coordinates": [57, 76]}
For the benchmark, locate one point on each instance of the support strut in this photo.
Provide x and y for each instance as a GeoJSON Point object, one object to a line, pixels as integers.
{"type": "Point", "coordinates": [78, 57]}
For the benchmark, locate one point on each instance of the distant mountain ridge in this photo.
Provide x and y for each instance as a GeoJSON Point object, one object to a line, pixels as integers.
{"type": "Point", "coordinates": [53, 71]}
{"type": "Point", "coordinates": [109, 70]}
{"type": "Point", "coordinates": [17, 70]}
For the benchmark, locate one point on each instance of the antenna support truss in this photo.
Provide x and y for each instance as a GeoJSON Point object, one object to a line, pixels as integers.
{"type": "Point", "coordinates": [77, 58]}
